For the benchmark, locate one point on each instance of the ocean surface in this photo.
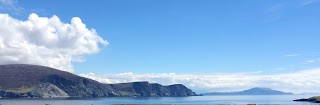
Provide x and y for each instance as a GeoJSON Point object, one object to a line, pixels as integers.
{"type": "Point", "coordinates": [199, 100]}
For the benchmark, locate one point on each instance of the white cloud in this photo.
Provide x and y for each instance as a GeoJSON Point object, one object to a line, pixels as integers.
{"type": "Point", "coordinates": [275, 12]}
{"type": "Point", "coordinates": [10, 5]}
{"type": "Point", "coordinates": [309, 2]}
{"type": "Point", "coordinates": [310, 61]}
{"type": "Point", "coordinates": [46, 41]}
{"type": "Point", "coordinates": [280, 68]}
{"type": "Point", "coordinates": [292, 55]}
{"type": "Point", "coordinates": [7, 2]}
{"type": "Point", "coordinates": [297, 82]}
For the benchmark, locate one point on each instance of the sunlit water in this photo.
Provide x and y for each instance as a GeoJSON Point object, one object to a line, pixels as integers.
{"type": "Point", "coordinates": [211, 100]}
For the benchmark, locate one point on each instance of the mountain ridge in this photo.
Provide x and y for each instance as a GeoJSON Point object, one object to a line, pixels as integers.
{"type": "Point", "coordinates": [22, 80]}
{"type": "Point", "coordinates": [252, 91]}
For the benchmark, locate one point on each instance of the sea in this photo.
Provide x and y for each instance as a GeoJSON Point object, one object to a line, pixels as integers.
{"type": "Point", "coordinates": [192, 100]}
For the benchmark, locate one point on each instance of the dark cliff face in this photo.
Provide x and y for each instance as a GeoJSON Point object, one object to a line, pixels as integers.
{"type": "Point", "coordinates": [81, 88]}
{"type": "Point", "coordinates": [146, 89]}
{"type": "Point", "coordinates": [19, 80]}
{"type": "Point", "coordinates": [314, 99]}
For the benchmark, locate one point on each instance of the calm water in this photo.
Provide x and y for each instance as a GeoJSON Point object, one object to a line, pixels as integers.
{"type": "Point", "coordinates": [213, 100]}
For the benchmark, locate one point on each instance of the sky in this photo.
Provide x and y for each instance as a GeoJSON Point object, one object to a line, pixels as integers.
{"type": "Point", "coordinates": [207, 45]}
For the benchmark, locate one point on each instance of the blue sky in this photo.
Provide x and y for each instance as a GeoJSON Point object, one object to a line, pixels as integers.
{"type": "Point", "coordinates": [191, 36]}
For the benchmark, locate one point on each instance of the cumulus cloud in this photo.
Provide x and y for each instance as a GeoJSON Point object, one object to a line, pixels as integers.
{"type": "Point", "coordinates": [46, 41]}
{"type": "Point", "coordinates": [298, 82]}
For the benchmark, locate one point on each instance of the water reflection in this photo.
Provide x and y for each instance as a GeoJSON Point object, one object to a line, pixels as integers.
{"type": "Point", "coordinates": [208, 100]}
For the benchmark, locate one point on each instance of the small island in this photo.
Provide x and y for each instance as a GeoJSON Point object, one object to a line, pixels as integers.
{"type": "Point", "coordinates": [315, 99]}
{"type": "Point", "coordinates": [252, 91]}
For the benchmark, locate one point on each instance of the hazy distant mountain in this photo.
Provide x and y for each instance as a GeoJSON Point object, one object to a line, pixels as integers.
{"type": "Point", "coordinates": [20, 80]}
{"type": "Point", "coordinates": [252, 91]}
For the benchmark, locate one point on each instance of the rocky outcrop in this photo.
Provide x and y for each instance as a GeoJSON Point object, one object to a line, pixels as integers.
{"type": "Point", "coordinates": [82, 87]}
{"type": "Point", "coordinates": [48, 90]}
{"type": "Point", "coordinates": [145, 89]}
{"type": "Point", "coordinates": [315, 99]}
{"type": "Point", "coordinates": [21, 80]}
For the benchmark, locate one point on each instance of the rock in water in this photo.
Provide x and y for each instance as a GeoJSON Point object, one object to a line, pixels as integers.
{"type": "Point", "coordinates": [315, 99]}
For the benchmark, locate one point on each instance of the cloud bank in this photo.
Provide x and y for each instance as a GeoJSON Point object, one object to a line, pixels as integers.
{"type": "Point", "coordinates": [297, 82]}
{"type": "Point", "coordinates": [46, 41]}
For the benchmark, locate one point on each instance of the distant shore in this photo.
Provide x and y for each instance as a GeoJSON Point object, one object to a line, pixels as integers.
{"type": "Point", "coordinates": [314, 99]}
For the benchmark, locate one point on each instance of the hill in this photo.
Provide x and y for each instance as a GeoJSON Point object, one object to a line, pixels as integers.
{"type": "Point", "coordinates": [21, 80]}
{"type": "Point", "coordinates": [252, 91]}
